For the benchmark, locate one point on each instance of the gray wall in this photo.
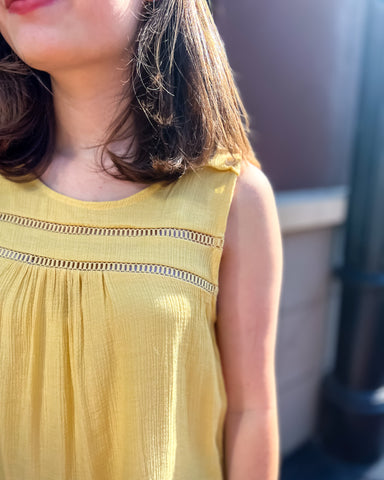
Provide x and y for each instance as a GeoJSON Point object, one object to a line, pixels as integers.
{"type": "Point", "coordinates": [297, 64]}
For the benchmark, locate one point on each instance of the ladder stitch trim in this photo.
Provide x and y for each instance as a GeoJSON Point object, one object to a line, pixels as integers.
{"type": "Point", "coordinates": [127, 267]}
{"type": "Point", "coordinates": [183, 234]}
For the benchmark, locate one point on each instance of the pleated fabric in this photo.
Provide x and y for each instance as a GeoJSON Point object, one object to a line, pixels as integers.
{"type": "Point", "coordinates": [109, 367]}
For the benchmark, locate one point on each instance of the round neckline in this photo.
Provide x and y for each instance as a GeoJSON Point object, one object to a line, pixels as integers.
{"type": "Point", "coordinates": [40, 185]}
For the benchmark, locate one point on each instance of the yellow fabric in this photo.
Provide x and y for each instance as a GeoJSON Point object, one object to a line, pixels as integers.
{"type": "Point", "coordinates": [109, 367]}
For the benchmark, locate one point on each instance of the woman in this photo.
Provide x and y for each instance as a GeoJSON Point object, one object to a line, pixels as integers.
{"type": "Point", "coordinates": [135, 343]}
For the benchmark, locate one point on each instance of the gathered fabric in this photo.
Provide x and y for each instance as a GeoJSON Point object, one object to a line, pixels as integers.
{"type": "Point", "coordinates": [109, 366]}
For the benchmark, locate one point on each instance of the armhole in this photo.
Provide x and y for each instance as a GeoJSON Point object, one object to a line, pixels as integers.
{"type": "Point", "coordinates": [223, 206]}
{"type": "Point", "coordinates": [225, 171]}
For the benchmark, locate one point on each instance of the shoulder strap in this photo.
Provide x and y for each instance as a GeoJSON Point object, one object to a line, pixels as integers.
{"type": "Point", "coordinates": [223, 160]}
{"type": "Point", "coordinates": [203, 197]}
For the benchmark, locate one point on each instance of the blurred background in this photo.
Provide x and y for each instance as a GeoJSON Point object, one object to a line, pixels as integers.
{"type": "Point", "coordinates": [311, 75]}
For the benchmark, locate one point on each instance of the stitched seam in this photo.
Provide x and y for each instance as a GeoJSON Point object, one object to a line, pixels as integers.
{"type": "Point", "coordinates": [183, 234]}
{"type": "Point", "coordinates": [127, 267]}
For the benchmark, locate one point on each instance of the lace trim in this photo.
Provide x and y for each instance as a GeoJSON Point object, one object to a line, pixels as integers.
{"type": "Point", "coordinates": [183, 234]}
{"type": "Point", "coordinates": [110, 267]}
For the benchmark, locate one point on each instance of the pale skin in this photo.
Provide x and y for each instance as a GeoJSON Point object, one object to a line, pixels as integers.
{"type": "Point", "coordinates": [82, 44]}
{"type": "Point", "coordinates": [249, 292]}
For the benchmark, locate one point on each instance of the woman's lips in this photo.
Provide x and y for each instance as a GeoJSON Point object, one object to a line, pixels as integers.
{"type": "Point", "coordinates": [22, 7]}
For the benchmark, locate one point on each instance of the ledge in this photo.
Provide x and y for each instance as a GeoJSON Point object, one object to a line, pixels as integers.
{"type": "Point", "coordinates": [309, 209]}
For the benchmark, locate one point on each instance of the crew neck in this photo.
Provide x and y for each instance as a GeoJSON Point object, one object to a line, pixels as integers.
{"type": "Point", "coordinates": [91, 204]}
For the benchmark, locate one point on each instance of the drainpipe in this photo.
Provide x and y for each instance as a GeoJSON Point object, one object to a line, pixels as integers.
{"type": "Point", "coordinates": [351, 414]}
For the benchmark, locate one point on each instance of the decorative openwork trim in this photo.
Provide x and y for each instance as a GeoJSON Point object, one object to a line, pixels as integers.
{"type": "Point", "coordinates": [183, 234]}
{"type": "Point", "coordinates": [110, 267]}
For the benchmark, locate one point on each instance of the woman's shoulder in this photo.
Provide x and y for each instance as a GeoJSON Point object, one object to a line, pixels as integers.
{"type": "Point", "coordinates": [252, 196]}
{"type": "Point", "coordinates": [253, 186]}
{"type": "Point", "coordinates": [253, 221]}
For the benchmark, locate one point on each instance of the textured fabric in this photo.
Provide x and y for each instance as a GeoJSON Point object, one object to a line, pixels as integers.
{"type": "Point", "coordinates": [109, 367]}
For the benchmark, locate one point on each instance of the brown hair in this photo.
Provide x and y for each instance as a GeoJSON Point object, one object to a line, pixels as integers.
{"type": "Point", "coordinates": [185, 105]}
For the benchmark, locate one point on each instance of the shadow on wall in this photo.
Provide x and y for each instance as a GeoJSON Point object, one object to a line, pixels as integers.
{"type": "Point", "coordinates": [298, 67]}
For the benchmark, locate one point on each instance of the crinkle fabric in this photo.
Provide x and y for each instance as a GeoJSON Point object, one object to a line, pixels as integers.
{"type": "Point", "coordinates": [109, 367]}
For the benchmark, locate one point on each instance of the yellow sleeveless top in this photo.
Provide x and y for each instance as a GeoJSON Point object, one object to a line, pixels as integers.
{"type": "Point", "coordinates": [109, 367]}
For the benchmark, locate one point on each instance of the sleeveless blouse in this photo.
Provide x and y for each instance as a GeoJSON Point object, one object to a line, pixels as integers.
{"type": "Point", "coordinates": [109, 366]}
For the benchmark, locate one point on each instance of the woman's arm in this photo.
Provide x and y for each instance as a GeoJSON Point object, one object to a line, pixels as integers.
{"type": "Point", "coordinates": [248, 304]}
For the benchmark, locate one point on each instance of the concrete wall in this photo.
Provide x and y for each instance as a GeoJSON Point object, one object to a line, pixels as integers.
{"type": "Point", "coordinates": [312, 223]}
{"type": "Point", "coordinates": [297, 64]}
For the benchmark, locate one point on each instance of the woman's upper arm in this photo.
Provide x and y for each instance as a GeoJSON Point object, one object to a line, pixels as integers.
{"type": "Point", "coordinates": [249, 293]}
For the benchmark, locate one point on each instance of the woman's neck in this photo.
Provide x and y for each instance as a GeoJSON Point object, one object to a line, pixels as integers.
{"type": "Point", "coordinates": [86, 101]}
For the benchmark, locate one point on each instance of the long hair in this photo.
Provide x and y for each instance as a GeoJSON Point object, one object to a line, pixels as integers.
{"type": "Point", "coordinates": [184, 104]}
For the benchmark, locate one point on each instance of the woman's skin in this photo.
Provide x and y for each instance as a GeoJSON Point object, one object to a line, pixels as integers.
{"type": "Point", "coordinates": [82, 44]}
{"type": "Point", "coordinates": [249, 292]}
